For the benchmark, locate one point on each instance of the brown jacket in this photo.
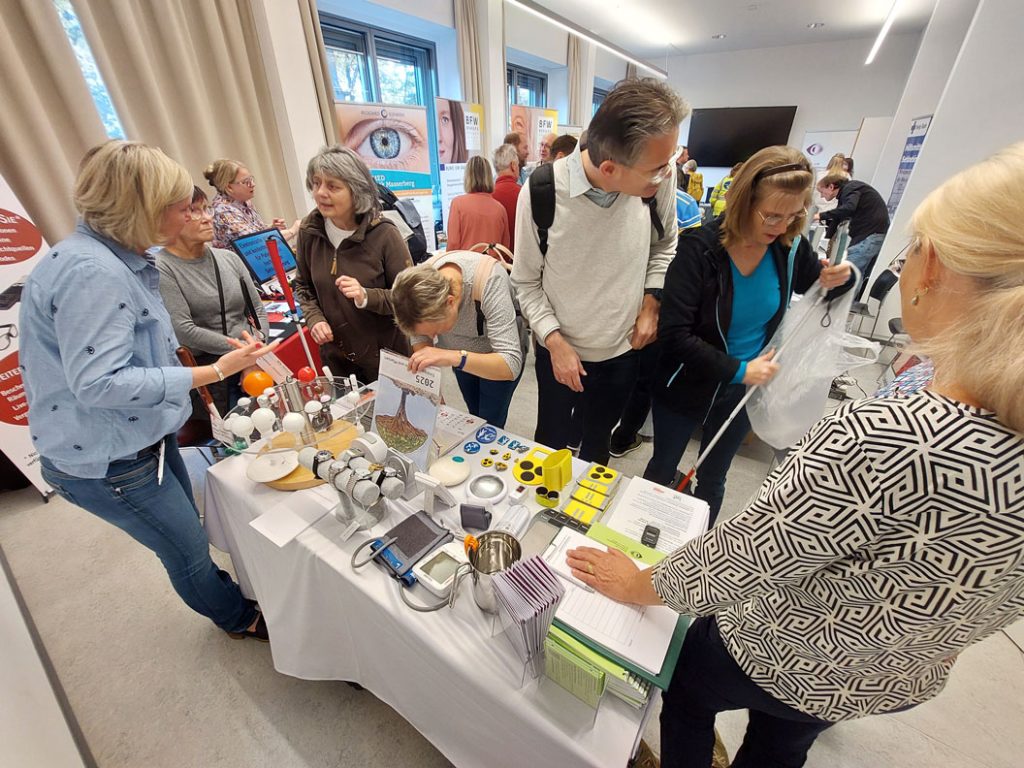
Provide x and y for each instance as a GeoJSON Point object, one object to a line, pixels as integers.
{"type": "Point", "coordinates": [373, 255]}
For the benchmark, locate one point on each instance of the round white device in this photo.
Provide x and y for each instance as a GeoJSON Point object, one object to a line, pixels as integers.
{"type": "Point", "coordinates": [450, 470]}
{"type": "Point", "coordinates": [486, 489]}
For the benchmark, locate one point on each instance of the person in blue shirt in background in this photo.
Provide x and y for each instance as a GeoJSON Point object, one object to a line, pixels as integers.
{"type": "Point", "coordinates": [106, 392]}
{"type": "Point", "coordinates": [725, 293]}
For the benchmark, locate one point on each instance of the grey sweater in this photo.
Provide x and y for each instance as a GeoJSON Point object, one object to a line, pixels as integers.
{"type": "Point", "coordinates": [189, 291]}
{"type": "Point", "coordinates": [501, 334]}
{"type": "Point", "coordinates": [591, 283]}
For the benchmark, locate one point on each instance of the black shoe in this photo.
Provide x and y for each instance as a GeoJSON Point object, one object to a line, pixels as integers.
{"type": "Point", "coordinates": [618, 452]}
{"type": "Point", "coordinates": [575, 447]}
{"type": "Point", "coordinates": [259, 632]}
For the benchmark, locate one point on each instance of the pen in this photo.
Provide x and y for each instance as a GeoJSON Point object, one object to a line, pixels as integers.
{"type": "Point", "coordinates": [160, 466]}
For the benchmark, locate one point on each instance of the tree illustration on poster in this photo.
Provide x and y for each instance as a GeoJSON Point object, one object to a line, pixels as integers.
{"type": "Point", "coordinates": [397, 431]}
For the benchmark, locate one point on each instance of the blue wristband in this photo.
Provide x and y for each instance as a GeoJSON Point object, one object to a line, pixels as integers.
{"type": "Point", "coordinates": [462, 362]}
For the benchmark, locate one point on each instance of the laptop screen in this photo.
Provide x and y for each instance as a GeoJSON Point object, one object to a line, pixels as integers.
{"type": "Point", "coordinates": [253, 250]}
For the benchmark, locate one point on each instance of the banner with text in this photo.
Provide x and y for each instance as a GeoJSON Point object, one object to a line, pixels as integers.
{"type": "Point", "coordinates": [460, 126]}
{"type": "Point", "coordinates": [533, 124]}
{"type": "Point", "coordinates": [393, 142]}
{"type": "Point", "coordinates": [911, 149]}
{"type": "Point", "coordinates": [21, 244]}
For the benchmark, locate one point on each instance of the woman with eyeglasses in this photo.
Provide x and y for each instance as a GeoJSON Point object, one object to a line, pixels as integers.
{"type": "Point", "coordinates": [889, 541]}
{"type": "Point", "coordinates": [106, 392]}
{"type": "Point", "coordinates": [233, 211]}
{"type": "Point", "coordinates": [725, 294]}
{"type": "Point", "coordinates": [211, 298]}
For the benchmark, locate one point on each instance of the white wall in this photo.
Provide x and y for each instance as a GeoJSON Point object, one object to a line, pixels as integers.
{"type": "Point", "coordinates": [526, 33]}
{"type": "Point", "coordinates": [828, 83]}
{"type": "Point", "coordinates": [940, 45]}
{"type": "Point", "coordinates": [979, 113]}
{"type": "Point", "coordinates": [609, 67]}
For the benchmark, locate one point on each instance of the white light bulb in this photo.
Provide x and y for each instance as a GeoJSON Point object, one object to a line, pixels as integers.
{"type": "Point", "coordinates": [294, 422]}
{"type": "Point", "coordinates": [242, 426]}
{"type": "Point", "coordinates": [264, 419]}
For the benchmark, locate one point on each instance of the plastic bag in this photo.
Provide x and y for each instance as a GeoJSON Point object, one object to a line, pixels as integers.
{"type": "Point", "coordinates": [812, 348]}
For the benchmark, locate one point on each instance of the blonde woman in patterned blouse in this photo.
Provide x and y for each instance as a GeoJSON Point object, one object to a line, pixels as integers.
{"type": "Point", "coordinates": [233, 211]}
{"type": "Point", "coordinates": [891, 539]}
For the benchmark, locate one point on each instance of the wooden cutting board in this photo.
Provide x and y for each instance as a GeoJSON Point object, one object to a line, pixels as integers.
{"type": "Point", "coordinates": [336, 440]}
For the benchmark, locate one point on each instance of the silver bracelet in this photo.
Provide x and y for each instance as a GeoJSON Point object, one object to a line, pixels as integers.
{"type": "Point", "coordinates": [218, 371]}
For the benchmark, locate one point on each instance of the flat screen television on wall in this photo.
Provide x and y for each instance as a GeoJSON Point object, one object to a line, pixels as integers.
{"type": "Point", "coordinates": [723, 136]}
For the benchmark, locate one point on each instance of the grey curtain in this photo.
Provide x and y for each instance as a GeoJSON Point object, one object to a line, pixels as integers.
{"type": "Point", "coordinates": [467, 36]}
{"type": "Point", "coordinates": [580, 61]}
{"type": "Point", "coordinates": [48, 119]}
{"type": "Point", "coordinates": [188, 76]}
{"type": "Point", "coordinates": [319, 67]}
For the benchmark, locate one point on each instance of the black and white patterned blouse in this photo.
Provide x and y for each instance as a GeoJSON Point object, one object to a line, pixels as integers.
{"type": "Point", "coordinates": [890, 540]}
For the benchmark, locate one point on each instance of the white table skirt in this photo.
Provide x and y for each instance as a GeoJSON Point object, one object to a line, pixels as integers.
{"type": "Point", "coordinates": [444, 672]}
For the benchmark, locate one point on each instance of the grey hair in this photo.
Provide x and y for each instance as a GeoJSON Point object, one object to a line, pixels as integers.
{"type": "Point", "coordinates": [634, 111]}
{"type": "Point", "coordinates": [345, 165]}
{"type": "Point", "coordinates": [503, 157]}
{"type": "Point", "coordinates": [690, 165]}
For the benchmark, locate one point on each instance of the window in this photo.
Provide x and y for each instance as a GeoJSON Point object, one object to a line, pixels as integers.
{"type": "Point", "coordinates": [526, 87]}
{"type": "Point", "coordinates": [86, 62]}
{"type": "Point", "coordinates": [599, 96]}
{"type": "Point", "coordinates": [369, 64]}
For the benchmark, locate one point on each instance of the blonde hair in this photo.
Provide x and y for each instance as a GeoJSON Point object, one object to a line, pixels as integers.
{"type": "Point", "coordinates": [834, 178]}
{"type": "Point", "coordinates": [757, 179]}
{"type": "Point", "coordinates": [478, 176]}
{"type": "Point", "coordinates": [419, 295]}
{"type": "Point", "coordinates": [222, 172]}
{"type": "Point", "coordinates": [973, 224]}
{"type": "Point", "coordinates": [124, 188]}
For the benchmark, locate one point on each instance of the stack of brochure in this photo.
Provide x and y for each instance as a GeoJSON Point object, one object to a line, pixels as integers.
{"type": "Point", "coordinates": [585, 673]}
{"type": "Point", "coordinates": [528, 594]}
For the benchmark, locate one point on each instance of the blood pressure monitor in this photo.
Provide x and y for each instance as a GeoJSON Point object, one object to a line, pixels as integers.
{"type": "Point", "coordinates": [437, 570]}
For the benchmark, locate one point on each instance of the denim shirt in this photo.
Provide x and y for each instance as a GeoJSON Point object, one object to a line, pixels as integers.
{"type": "Point", "coordinates": [97, 355]}
{"type": "Point", "coordinates": [579, 184]}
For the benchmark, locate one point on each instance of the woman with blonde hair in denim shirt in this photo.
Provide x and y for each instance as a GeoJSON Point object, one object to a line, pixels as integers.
{"type": "Point", "coordinates": [105, 390]}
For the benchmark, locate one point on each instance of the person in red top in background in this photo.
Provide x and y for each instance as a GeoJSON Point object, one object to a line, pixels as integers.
{"type": "Point", "coordinates": [476, 217]}
{"type": "Point", "coordinates": [507, 186]}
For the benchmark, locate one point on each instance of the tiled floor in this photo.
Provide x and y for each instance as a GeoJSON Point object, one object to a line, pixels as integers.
{"type": "Point", "coordinates": [152, 685]}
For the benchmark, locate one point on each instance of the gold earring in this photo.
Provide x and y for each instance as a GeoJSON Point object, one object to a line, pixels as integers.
{"type": "Point", "coordinates": [917, 296]}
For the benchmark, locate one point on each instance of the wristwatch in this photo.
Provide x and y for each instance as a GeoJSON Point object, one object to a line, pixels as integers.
{"type": "Point", "coordinates": [462, 362]}
{"type": "Point", "coordinates": [655, 292]}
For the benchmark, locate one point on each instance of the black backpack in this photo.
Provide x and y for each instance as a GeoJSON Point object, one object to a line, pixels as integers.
{"type": "Point", "coordinates": [417, 242]}
{"type": "Point", "coordinates": [542, 201]}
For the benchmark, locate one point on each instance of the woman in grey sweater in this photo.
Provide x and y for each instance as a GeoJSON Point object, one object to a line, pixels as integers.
{"type": "Point", "coordinates": [210, 297]}
{"type": "Point", "coordinates": [473, 332]}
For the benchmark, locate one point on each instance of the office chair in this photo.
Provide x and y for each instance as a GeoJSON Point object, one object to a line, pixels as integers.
{"type": "Point", "coordinates": [884, 283]}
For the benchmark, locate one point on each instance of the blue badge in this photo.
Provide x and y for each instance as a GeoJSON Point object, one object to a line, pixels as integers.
{"type": "Point", "coordinates": [486, 434]}
{"type": "Point", "coordinates": [471, 447]}
{"type": "Point", "coordinates": [503, 439]}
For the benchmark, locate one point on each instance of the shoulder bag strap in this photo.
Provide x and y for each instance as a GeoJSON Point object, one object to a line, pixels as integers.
{"type": "Point", "coordinates": [220, 293]}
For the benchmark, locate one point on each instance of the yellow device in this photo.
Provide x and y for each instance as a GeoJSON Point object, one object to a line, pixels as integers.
{"type": "Point", "coordinates": [590, 498]}
{"type": "Point", "coordinates": [581, 512]}
{"type": "Point", "coordinates": [529, 470]}
{"type": "Point", "coordinates": [602, 474]}
{"type": "Point", "coordinates": [558, 469]}
{"type": "Point", "coordinates": [592, 485]}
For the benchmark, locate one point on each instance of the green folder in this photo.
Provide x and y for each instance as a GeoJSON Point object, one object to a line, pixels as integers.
{"type": "Point", "coordinates": [605, 535]}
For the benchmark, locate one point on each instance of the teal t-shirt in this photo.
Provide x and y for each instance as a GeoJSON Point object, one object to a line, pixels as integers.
{"type": "Point", "coordinates": [755, 300]}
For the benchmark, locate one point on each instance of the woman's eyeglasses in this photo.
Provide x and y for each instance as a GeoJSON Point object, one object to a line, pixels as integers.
{"type": "Point", "coordinates": [198, 214]}
{"type": "Point", "coordinates": [248, 181]}
{"type": "Point", "coordinates": [774, 219]}
{"type": "Point", "coordinates": [8, 331]}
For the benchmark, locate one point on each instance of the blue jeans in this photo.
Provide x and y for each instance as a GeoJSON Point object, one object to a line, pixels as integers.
{"type": "Point", "coordinates": [164, 519]}
{"type": "Point", "coordinates": [672, 432]}
{"type": "Point", "coordinates": [485, 398]}
{"type": "Point", "coordinates": [863, 256]}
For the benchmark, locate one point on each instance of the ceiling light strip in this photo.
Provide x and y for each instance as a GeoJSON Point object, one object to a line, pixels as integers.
{"type": "Point", "coordinates": [882, 33]}
{"type": "Point", "coordinates": [568, 26]}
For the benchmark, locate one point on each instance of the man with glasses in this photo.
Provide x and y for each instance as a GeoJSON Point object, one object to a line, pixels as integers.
{"type": "Point", "coordinates": [589, 272]}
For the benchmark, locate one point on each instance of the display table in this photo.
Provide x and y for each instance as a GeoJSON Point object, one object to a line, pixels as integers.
{"type": "Point", "coordinates": [449, 673]}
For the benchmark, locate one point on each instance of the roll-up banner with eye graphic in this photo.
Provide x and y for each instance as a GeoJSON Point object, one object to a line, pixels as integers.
{"type": "Point", "coordinates": [393, 142]}
{"type": "Point", "coordinates": [460, 126]}
{"type": "Point", "coordinates": [21, 245]}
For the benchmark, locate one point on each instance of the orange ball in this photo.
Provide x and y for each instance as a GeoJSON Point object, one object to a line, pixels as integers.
{"type": "Point", "coordinates": [254, 383]}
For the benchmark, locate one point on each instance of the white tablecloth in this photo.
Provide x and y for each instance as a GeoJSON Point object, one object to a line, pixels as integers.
{"type": "Point", "coordinates": [448, 673]}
